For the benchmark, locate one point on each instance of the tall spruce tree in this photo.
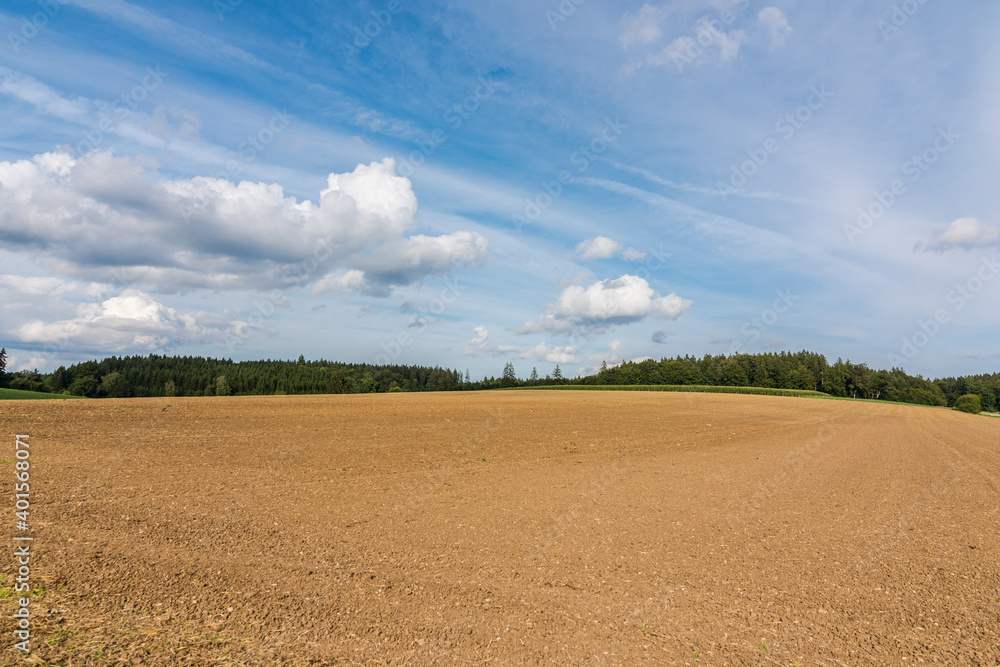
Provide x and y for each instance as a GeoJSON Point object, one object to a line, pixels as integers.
{"type": "Point", "coordinates": [509, 378]}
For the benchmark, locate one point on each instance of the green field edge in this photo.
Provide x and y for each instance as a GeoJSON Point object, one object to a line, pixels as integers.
{"type": "Point", "coordinates": [708, 389]}
{"type": "Point", "coordinates": [22, 395]}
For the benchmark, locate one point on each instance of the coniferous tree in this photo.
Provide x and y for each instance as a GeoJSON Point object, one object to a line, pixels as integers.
{"type": "Point", "coordinates": [509, 378]}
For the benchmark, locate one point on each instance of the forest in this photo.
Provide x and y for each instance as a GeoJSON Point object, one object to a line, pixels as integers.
{"type": "Point", "coordinates": [803, 370]}
{"type": "Point", "coordinates": [155, 375]}
{"type": "Point", "coordinates": [158, 376]}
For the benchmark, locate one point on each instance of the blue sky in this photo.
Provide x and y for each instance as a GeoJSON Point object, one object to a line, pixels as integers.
{"type": "Point", "coordinates": [466, 184]}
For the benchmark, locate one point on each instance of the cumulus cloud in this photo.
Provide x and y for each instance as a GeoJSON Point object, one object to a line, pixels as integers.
{"type": "Point", "coordinates": [604, 303]}
{"type": "Point", "coordinates": [965, 233]}
{"type": "Point", "coordinates": [777, 24]}
{"type": "Point", "coordinates": [98, 211]}
{"type": "Point", "coordinates": [601, 247]}
{"type": "Point", "coordinates": [350, 281]}
{"type": "Point", "coordinates": [643, 27]}
{"type": "Point", "coordinates": [555, 354]}
{"type": "Point", "coordinates": [131, 322]}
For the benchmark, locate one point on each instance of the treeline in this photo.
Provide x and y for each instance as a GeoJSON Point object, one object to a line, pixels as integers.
{"type": "Point", "coordinates": [122, 377]}
{"type": "Point", "coordinates": [125, 377]}
{"type": "Point", "coordinates": [801, 370]}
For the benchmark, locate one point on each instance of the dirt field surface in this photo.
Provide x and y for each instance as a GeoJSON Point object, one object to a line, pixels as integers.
{"type": "Point", "coordinates": [507, 528]}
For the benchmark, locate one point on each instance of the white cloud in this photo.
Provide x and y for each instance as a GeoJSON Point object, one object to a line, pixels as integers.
{"type": "Point", "coordinates": [556, 354]}
{"type": "Point", "coordinates": [130, 322]}
{"type": "Point", "coordinates": [351, 281]}
{"type": "Point", "coordinates": [98, 211]}
{"type": "Point", "coordinates": [481, 345]}
{"type": "Point", "coordinates": [607, 302]}
{"type": "Point", "coordinates": [644, 26]}
{"type": "Point", "coordinates": [965, 233]}
{"type": "Point", "coordinates": [777, 24]}
{"type": "Point", "coordinates": [612, 358]}
{"type": "Point", "coordinates": [600, 247]}
{"type": "Point", "coordinates": [633, 255]}
{"type": "Point", "coordinates": [481, 335]}
{"type": "Point", "coordinates": [551, 353]}
{"type": "Point", "coordinates": [15, 363]}
{"type": "Point", "coordinates": [47, 285]}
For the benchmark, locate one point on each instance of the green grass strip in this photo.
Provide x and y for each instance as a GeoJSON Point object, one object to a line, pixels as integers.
{"type": "Point", "coordinates": [701, 389]}
{"type": "Point", "coordinates": [21, 395]}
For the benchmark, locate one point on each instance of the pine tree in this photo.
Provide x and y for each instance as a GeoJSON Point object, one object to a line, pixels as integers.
{"type": "Point", "coordinates": [534, 374]}
{"type": "Point", "coordinates": [557, 373]}
{"type": "Point", "coordinates": [509, 376]}
{"type": "Point", "coordinates": [3, 367]}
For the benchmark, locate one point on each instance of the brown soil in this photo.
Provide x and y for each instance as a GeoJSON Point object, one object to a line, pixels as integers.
{"type": "Point", "coordinates": [507, 528]}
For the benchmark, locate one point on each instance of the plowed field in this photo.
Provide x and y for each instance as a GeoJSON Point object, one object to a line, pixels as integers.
{"type": "Point", "coordinates": [506, 528]}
